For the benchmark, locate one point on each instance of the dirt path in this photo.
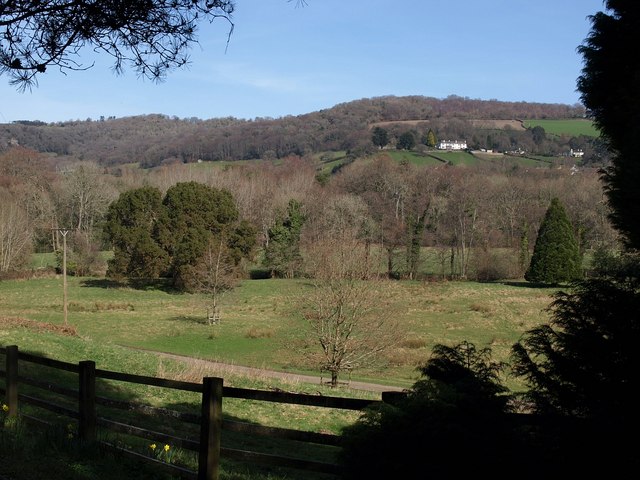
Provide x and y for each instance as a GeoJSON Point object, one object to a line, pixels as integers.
{"type": "Point", "coordinates": [259, 372]}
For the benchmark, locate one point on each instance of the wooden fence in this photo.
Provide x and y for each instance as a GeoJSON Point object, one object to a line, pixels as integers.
{"type": "Point", "coordinates": [210, 422]}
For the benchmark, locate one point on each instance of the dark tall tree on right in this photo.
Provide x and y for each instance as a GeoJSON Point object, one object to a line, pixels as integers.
{"type": "Point", "coordinates": [609, 87]}
{"type": "Point", "coordinates": [582, 367]}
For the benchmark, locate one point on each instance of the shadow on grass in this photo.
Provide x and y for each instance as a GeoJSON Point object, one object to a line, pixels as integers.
{"type": "Point", "coordinates": [143, 284]}
{"type": "Point", "coordinates": [199, 319]}
{"type": "Point", "coordinates": [525, 284]}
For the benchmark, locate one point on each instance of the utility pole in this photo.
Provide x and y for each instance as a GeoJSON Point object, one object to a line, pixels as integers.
{"type": "Point", "coordinates": [64, 232]}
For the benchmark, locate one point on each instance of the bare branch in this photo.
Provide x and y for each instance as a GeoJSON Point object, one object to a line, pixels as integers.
{"type": "Point", "coordinates": [151, 35]}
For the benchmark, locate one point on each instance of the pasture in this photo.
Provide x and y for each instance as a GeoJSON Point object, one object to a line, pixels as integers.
{"type": "Point", "coordinates": [261, 325]}
{"type": "Point", "coordinates": [572, 127]}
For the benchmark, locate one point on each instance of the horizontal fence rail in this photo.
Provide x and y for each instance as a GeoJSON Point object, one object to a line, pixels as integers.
{"type": "Point", "coordinates": [82, 404]}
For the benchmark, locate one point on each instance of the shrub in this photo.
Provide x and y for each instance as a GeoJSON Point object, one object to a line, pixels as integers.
{"type": "Point", "coordinates": [455, 413]}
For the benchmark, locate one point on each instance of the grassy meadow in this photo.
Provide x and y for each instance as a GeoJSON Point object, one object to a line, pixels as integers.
{"type": "Point", "coordinates": [261, 325]}
{"type": "Point", "coordinates": [570, 126]}
{"type": "Point", "coordinates": [107, 320]}
{"type": "Point", "coordinates": [119, 326]}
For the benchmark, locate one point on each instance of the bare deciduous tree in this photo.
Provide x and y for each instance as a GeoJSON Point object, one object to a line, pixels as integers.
{"type": "Point", "coordinates": [214, 274]}
{"type": "Point", "coordinates": [87, 196]}
{"type": "Point", "coordinates": [15, 235]}
{"type": "Point", "coordinates": [345, 309]}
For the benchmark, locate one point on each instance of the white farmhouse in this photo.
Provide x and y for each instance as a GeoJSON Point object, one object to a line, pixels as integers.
{"type": "Point", "coordinates": [576, 153]}
{"type": "Point", "coordinates": [452, 145]}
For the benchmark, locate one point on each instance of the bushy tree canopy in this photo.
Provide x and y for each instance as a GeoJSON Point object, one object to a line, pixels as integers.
{"type": "Point", "coordinates": [406, 141]}
{"type": "Point", "coordinates": [556, 256]}
{"type": "Point", "coordinates": [583, 362]}
{"type": "Point", "coordinates": [130, 226]}
{"type": "Point", "coordinates": [282, 253]}
{"type": "Point", "coordinates": [154, 236]}
{"type": "Point", "coordinates": [192, 212]}
{"type": "Point", "coordinates": [380, 137]}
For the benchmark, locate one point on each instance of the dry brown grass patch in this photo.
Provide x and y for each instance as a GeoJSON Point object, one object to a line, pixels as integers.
{"type": "Point", "coordinates": [481, 308]}
{"type": "Point", "coordinates": [68, 330]}
{"type": "Point", "coordinates": [259, 332]}
{"type": "Point", "coordinates": [413, 343]}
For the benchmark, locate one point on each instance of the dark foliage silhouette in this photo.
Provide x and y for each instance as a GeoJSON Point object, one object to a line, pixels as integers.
{"type": "Point", "coordinates": [452, 424]}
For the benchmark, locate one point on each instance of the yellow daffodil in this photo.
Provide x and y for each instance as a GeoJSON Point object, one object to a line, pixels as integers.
{"type": "Point", "coordinates": [5, 408]}
{"type": "Point", "coordinates": [166, 448]}
{"type": "Point", "coordinates": [152, 446]}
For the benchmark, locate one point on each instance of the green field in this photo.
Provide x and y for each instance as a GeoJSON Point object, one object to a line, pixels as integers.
{"type": "Point", "coordinates": [572, 126]}
{"type": "Point", "coordinates": [261, 325]}
{"type": "Point", "coordinates": [454, 158]}
{"type": "Point", "coordinates": [414, 158]}
{"type": "Point", "coordinates": [435, 157]}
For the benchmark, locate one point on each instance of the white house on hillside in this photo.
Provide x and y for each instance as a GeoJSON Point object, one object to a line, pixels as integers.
{"type": "Point", "coordinates": [452, 145]}
{"type": "Point", "coordinates": [576, 153]}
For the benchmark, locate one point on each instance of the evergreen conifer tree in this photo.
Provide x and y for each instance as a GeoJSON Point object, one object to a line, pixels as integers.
{"type": "Point", "coordinates": [556, 256]}
{"type": "Point", "coordinates": [432, 140]}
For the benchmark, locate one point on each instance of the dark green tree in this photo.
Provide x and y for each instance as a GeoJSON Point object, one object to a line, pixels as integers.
{"type": "Point", "coordinates": [282, 253]}
{"type": "Point", "coordinates": [581, 370]}
{"type": "Point", "coordinates": [582, 367]}
{"type": "Point", "coordinates": [406, 141]}
{"type": "Point", "coordinates": [581, 363]}
{"type": "Point", "coordinates": [556, 256]}
{"type": "Point", "coordinates": [193, 212]}
{"type": "Point", "coordinates": [609, 88]}
{"type": "Point", "coordinates": [154, 237]}
{"type": "Point", "coordinates": [130, 228]}
{"type": "Point", "coordinates": [380, 137]}
{"type": "Point", "coordinates": [538, 134]}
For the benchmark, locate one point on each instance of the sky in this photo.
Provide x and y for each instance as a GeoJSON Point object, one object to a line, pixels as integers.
{"type": "Point", "coordinates": [283, 59]}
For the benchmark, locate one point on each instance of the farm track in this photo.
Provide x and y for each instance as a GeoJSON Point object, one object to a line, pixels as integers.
{"type": "Point", "coordinates": [259, 372]}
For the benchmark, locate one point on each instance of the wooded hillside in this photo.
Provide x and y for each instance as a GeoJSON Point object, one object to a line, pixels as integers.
{"type": "Point", "coordinates": [152, 140]}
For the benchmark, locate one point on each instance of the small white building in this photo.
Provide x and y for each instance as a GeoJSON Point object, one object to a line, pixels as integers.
{"type": "Point", "coordinates": [576, 153]}
{"type": "Point", "coordinates": [452, 145]}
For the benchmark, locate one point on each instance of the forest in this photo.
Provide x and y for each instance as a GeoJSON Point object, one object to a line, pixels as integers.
{"type": "Point", "coordinates": [478, 221]}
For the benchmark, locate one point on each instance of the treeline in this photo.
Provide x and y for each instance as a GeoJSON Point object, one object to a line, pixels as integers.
{"type": "Point", "coordinates": [154, 140]}
{"type": "Point", "coordinates": [481, 222]}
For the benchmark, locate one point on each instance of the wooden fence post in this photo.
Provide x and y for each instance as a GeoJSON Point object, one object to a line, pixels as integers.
{"type": "Point", "coordinates": [87, 401]}
{"type": "Point", "coordinates": [210, 428]}
{"type": "Point", "coordinates": [11, 380]}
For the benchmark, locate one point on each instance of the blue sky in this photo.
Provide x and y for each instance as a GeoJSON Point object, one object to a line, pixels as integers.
{"type": "Point", "coordinates": [282, 60]}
